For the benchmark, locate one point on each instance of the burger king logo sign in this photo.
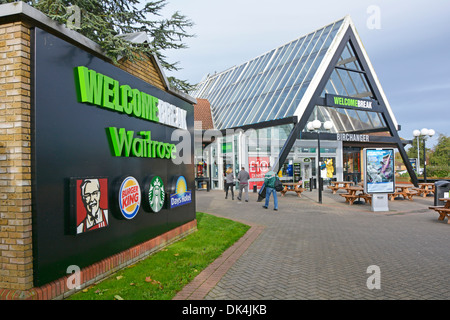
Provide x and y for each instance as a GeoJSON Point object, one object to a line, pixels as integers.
{"type": "Point", "coordinates": [129, 197]}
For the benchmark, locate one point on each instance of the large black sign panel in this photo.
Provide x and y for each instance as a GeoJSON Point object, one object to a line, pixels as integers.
{"type": "Point", "coordinates": [90, 198]}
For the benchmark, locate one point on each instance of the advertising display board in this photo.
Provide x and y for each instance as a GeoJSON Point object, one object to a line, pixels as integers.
{"type": "Point", "coordinates": [102, 159]}
{"type": "Point", "coordinates": [258, 167]}
{"type": "Point", "coordinates": [379, 173]}
{"type": "Point", "coordinates": [413, 162]}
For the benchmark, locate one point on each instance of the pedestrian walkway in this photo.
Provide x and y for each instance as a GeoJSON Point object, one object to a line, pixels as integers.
{"type": "Point", "coordinates": [307, 250]}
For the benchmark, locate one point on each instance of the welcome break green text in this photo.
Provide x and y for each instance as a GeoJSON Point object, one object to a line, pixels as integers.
{"type": "Point", "coordinates": [103, 91]}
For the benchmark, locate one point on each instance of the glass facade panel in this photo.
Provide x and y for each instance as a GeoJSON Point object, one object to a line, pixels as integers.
{"type": "Point", "coordinates": [269, 86]}
{"type": "Point", "coordinates": [260, 149]}
{"type": "Point", "coordinates": [347, 120]}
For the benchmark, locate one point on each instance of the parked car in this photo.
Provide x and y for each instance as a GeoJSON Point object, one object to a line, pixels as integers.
{"type": "Point", "coordinates": [405, 171]}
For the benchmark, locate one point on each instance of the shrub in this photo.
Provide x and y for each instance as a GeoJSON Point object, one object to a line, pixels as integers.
{"type": "Point", "coordinates": [438, 171]}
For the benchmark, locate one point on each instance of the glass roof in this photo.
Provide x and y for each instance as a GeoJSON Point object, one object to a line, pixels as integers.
{"type": "Point", "coordinates": [271, 86]}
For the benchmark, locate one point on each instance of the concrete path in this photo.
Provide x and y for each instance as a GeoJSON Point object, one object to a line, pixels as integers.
{"type": "Point", "coordinates": [307, 250]}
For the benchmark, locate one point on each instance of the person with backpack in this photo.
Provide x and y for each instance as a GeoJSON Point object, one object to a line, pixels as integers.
{"type": "Point", "coordinates": [269, 183]}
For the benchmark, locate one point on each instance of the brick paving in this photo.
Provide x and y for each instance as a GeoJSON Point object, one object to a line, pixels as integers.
{"type": "Point", "coordinates": [315, 251]}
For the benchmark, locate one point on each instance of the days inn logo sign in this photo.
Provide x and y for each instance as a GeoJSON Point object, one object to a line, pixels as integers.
{"type": "Point", "coordinates": [181, 196]}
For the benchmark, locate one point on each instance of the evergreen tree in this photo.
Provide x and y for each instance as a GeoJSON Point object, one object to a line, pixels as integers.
{"type": "Point", "coordinates": [104, 22]}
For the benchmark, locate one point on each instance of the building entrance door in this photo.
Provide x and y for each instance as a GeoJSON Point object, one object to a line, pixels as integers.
{"type": "Point", "coordinates": [352, 164]}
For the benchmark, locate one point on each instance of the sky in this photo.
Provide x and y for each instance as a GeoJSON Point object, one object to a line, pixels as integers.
{"type": "Point", "coordinates": [408, 44]}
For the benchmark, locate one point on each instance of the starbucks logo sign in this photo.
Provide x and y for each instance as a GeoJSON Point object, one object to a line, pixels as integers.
{"type": "Point", "coordinates": [156, 194]}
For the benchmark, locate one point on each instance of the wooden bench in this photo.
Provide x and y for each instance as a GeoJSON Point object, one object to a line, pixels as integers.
{"type": "Point", "coordinates": [410, 194]}
{"type": "Point", "coordinates": [424, 189]}
{"type": "Point", "coordinates": [334, 188]}
{"type": "Point", "coordinates": [394, 195]}
{"type": "Point", "coordinates": [336, 185]}
{"type": "Point", "coordinates": [443, 212]}
{"type": "Point", "coordinates": [422, 192]}
{"type": "Point", "coordinates": [295, 187]}
{"type": "Point", "coordinates": [405, 194]}
{"type": "Point", "coordinates": [367, 198]}
{"type": "Point", "coordinates": [350, 198]}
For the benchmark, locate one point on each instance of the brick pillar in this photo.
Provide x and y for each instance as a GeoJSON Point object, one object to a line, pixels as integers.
{"type": "Point", "coordinates": [16, 257]}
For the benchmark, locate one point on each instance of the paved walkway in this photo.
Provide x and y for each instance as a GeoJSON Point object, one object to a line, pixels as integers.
{"type": "Point", "coordinates": [328, 251]}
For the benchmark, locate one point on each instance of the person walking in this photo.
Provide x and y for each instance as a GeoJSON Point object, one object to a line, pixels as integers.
{"type": "Point", "coordinates": [229, 183]}
{"type": "Point", "coordinates": [269, 183]}
{"type": "Point", "coordinates": [243, 177]}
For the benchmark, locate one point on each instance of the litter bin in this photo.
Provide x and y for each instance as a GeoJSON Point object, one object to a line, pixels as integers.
{"type": "Point", "coordinates": [440, 187]}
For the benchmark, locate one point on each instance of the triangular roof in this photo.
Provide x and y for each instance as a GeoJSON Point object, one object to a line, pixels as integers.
{"type": "Point", "coordinates": [281, 82]}
{"type": "Point", "coordinates": [347, 33]}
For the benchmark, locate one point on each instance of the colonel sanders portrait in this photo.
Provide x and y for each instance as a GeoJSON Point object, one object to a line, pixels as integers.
{"type": "Point", "coordinates": [93, 216]}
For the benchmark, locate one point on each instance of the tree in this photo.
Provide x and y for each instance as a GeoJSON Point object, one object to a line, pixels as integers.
{"type": "Point", "coordinates": [104, 22]}
{"type": "Point", "coordinates": [440, 155]}
{"type": "Point", "coordinates": [412, 151]}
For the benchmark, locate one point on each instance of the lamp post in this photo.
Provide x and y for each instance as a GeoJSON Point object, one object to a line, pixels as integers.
{"type": "Point", "coordinates": [315, 125]}
{"type": "Point", "coordinates": [424, 133]}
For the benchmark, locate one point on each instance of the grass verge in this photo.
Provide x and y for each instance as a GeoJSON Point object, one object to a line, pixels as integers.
{"type": "Point", "coordinates": [163, 274]}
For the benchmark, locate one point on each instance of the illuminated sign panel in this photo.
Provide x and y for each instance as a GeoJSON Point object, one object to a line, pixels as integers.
{"type": "Point", "coordinates": [103, 91]}
{"type": "Point", "coordinates": [181, 196]}
{"type": "Point", "coordinates": [379, 173]}
{"type": "Point", "coordinates": [129, 197]}
{"type": "Point", "coordinates": [125, 145]}
{"type": "Point", "coordinates": [351, 102]}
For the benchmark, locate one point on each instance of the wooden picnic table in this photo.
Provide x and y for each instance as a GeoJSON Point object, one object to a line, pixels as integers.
{"type": "Point", "coordinates": [444, 211]}
{"type": "Point", "coordinates": [292, 186]}
{"type": "Point", "coordinates": [424, 189]}
{"type": "Point", "coordinates": [352, 194]}
{"type": "Point", "coordinates": [336, 185]}
{"type": "Point", "coordinates": [403, 190]}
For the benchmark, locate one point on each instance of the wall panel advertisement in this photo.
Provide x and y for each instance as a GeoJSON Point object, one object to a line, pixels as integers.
{"type": "Point", "coordinates": [103, 159]}
{"type": "Point", "coordinates": [379, 173]}
{"type": "Point", "coordinates": [258, 167]}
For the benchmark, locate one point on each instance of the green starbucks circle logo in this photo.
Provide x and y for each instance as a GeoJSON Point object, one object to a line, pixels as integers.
{"type": "Point", "coordinates": [156, 194]}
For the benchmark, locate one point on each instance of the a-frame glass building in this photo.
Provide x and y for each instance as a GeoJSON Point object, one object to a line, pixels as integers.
{"type": "Point", "coordinates": [262, 108]}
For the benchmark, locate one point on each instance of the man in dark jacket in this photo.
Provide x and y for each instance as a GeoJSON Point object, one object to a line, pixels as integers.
{"type": "Point", "coordinates": [243, 178]}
